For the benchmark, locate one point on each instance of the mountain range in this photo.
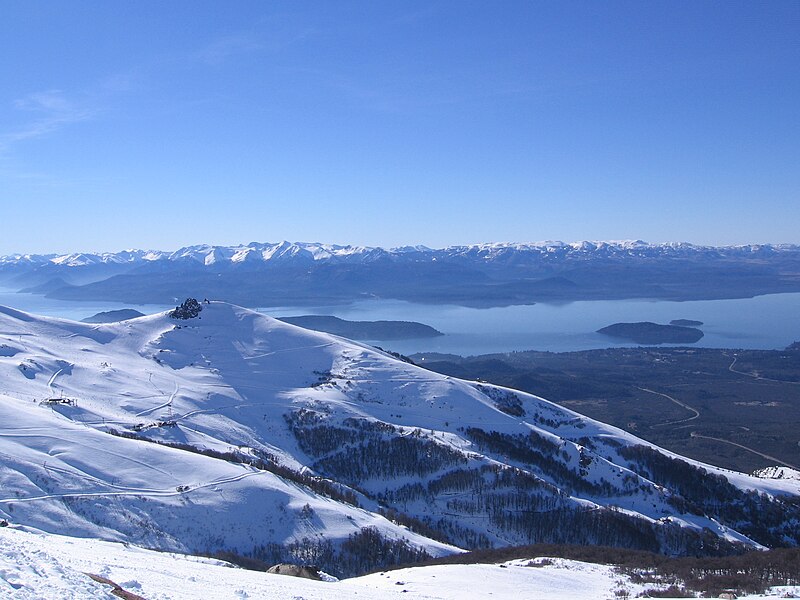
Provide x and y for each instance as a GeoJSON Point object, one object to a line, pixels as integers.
{"type": "Point", "coordinates": [232, 432]}
{"type": "Point", "coordinates": [497, 274]}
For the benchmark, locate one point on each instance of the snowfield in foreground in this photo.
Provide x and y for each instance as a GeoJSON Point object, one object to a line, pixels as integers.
{"type": "Point", "coordinates": [36, 565]}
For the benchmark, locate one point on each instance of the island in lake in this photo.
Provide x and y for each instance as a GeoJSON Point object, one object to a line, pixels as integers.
{"type": "Point", "coordinates": [364, 330]}
{"type": "Point", "coordinates": [686, 323]}
{"type": "Point", "coordinates": [646, 332]}
{"type": "Point", "coordinates": [112, 316]}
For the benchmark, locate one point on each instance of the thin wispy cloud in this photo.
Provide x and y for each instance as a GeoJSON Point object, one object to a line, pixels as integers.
{"type": "Point", "coordinates": [222, 49]}
{"type": "Point", "coordinates": [42, 113]}
{"type": "Point", "coordinates": [269, 34]}
{"type": "Point", "coordinates": [414, 17]}
{"type": "Point", "coordinates": [406, 92]}
{"type": "Point", "coordinates": [45, 112]}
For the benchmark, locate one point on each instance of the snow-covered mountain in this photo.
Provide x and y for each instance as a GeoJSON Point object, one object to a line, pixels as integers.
{"type": "Point", "coordinates": [232, 431]}
{"type": "Point", "coordinates": [260, 274]}
{"type": "Point", "coordinates": [206, 254]}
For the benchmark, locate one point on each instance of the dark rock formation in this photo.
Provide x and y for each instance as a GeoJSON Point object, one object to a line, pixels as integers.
{"type": "Point", "coordinates": [296, 571]}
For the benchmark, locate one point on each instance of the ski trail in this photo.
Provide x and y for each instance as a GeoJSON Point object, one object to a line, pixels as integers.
{"type": "Point", "coordinates": [50, 393]}
{"type": "Point", "coordinates": [138, 492]}
{"type": "Point", "coordinates": [286, 351]}
{"type": "Point", "coordinates": [165, 405]}
{"type": "Point", "coordinates": [78, 444]}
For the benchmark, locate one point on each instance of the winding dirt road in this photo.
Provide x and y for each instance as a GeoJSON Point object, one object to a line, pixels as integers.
{"type": "Point", "coordinates": [694, 434]}
{"type": "Point", "coordinates": [679, 403]}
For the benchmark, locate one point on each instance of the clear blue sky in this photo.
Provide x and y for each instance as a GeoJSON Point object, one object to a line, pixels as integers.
{"type": "Point", "coordinates": [162, 124]}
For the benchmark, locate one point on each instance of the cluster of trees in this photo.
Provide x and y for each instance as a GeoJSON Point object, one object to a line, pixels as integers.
{"type": "Point", "coordinates": [527, 508]}
{"type": "Point", "coordinates": [521, 504]}
{"type": "Point", "coordinates": [367, 550]}
{"type": "Point", "coordinates": [508, 402]}
{"type": "Point", "coordinates": [772, 521]}
{"type": "Point", "coordinates": [360, 449]}
{"type": "Point", "coordinates": [389, 458]}
{"type": "Point", "coordinates": [540, 452]}
{"type": "Point", "coordinates": [317, 438]}
{"type": "Point", "coordinates": [750, 572]}
{"type": "Point", "coordinates": [362, 552]}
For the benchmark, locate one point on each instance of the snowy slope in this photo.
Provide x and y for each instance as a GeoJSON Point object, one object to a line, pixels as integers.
{"type": "Point", "coordinates": [36, 565]}
{"type": "Point", "coordinates": [475, 464]}
{"type": "Point", "coordinates": [66, 477]}
{"type": "Point", "coordinates": [62, 472]}
{"type": "Point", "coordinates": [41, 564]}
{"type": "Point", "coordinates": [51, 566]}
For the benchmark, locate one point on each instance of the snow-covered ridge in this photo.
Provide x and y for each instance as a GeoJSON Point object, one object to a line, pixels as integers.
{"type": "Point", "coordinates": [315, 252]}
{"type": "Point", "coordinates": [201, 434]}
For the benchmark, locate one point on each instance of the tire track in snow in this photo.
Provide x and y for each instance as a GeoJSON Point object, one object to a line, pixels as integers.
{"type": "Point", "coordinates": [50, 393]}
{"type": "Point", "coordinates": [78, 444]}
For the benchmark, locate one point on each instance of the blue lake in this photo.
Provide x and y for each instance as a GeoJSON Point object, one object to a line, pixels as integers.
{"type": "Point", "coordinates": [68, 309]}
{"type": "Point", "coordinates": [763, 322]}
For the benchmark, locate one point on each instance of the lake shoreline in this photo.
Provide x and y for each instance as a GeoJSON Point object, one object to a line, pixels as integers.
{"type": "Point", "coordinates": [761, 322]}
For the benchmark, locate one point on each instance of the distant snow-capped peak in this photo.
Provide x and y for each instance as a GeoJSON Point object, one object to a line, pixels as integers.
{"type": "Point", "coordinates": [257, 252]}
